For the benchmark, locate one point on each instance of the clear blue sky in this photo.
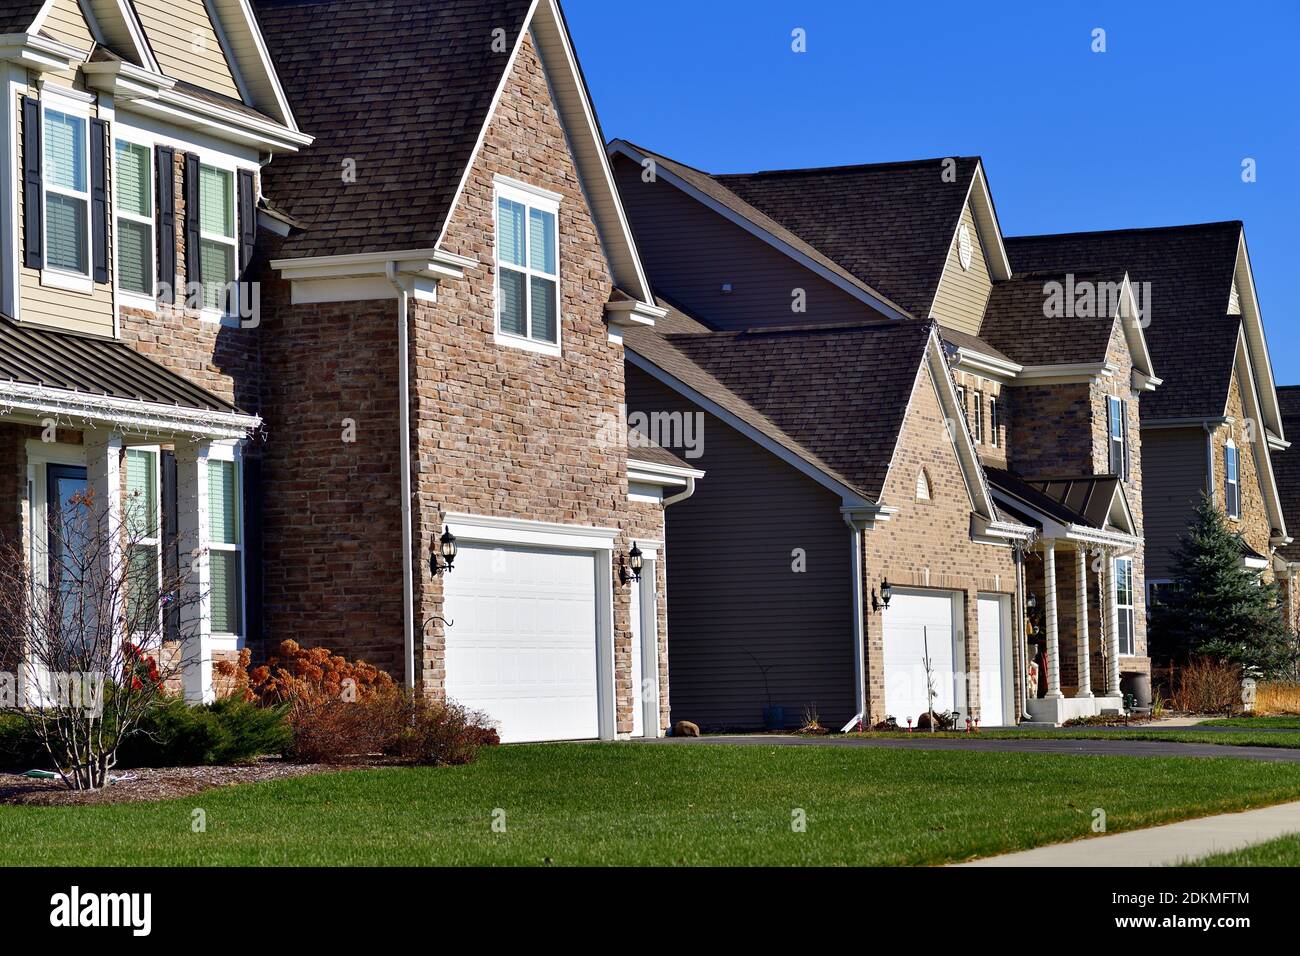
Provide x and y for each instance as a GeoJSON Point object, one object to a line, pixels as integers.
{"type": "Point", "coordinates": [1151, 132]}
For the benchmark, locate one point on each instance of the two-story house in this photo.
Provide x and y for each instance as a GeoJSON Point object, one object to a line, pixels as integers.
{"type": "Point", "coordinates": [426, 343]}
{"type": "Point", "coordinates": [799, 301]}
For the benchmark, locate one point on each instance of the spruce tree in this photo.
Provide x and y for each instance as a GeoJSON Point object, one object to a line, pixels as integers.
{"type": "Point", "coordinates": [1216, 606]}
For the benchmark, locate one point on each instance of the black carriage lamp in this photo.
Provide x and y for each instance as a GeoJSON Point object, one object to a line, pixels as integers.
{"type": "Point", "coordinates": [886, 595]}
{"type": "Point", "coordinates": [446, 551]}
{"type": "Point", "coordinates": [1032, 602]}
{"type": "Point", "coordinates": [631, 570]}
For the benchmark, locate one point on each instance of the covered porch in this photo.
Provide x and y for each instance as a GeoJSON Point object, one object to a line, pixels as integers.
{"type": "Point", "coordinates": [1080, 604]}
{"type": "Point", "coordinates": [91, 419]}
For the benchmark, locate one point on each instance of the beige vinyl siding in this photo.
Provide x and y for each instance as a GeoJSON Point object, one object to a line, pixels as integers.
{"type": "Point", "coordinates": [963, 294]}
{"type": "Point", "coordinates": [185, 42]}
{"type": "Point", "coordinates": [1173, 481]}
{"type": "Point", "coordinates": [88, 313]}
{"type": "Point", "coordinates": [66, 23]}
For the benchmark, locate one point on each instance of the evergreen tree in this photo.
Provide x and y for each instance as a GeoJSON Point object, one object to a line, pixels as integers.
{"type": "Point", "coordinates": [1217, 607]}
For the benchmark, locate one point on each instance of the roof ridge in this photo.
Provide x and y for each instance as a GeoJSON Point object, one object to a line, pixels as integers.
{"type": "Point", "coordinates": [1131, 230]}
{"type": "Point", "coordinates": [828, 328]}
{"type": "Point", "coordinates": [845, 168]}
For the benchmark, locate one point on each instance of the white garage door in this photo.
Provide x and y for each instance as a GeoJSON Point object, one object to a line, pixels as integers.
{"type": "Point", "coordinates": [993, 677]}
{"type": "Point", "coordinates": [918, 624]}
{"type": "Point", "coordinates": [523, 645]}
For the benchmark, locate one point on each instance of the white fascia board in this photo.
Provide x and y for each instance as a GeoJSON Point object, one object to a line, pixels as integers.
{"type": "Point", "coordinates": [1275, 442]}
{"type": "Point", "coordinates": [491, 529]}
{"type": "Point", "coordinates": [1253, 325]}
{"type": "Point", "coordinates": [880, 304]}
{"type": "Point", "coordinates": [655, 473]}
{"type": "Point", "coordinates": [1133, 334]}
{"type": "Point", "coordinates": [1077, 373]}
{"type": "Point", "coordinates": [364, 276]}
{"type": "Point", "coordinates": [979, 363]}
{"type": "Point", "coordinates": [39, 54]}
{"type": "Point", "coordinates": [984, 202]}
{"type": "Point", "coordinates": [1246, 382]}
{"type": "Point", "coordinates": [632, 314]}
{"type": "Point", "coordinates": [17, 397]}
{"type": "Point", "coordinates": [851, 498]}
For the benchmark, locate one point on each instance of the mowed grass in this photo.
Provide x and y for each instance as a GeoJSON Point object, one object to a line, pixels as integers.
{"type": "Point", "coordinates": [1264, 737]}
{"type": "Point", "coordinates": [626, 804]}
{"type": "Point", "coordinates": [1287, 722]}
{"type": "Point", "coordinates": [1284, 851]}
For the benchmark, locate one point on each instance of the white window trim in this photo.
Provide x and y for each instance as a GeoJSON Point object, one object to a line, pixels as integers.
{"type": "Point", "coordinates": [1234, 483]}
{"type": "Point", "coordinates": [545, 201]}
{"type": "Point", "coordinates": [137, 300]}
{"type": "Point", "coordinates": [224, 640]}
{"type": "Point", "coordinates": [222, 316]}
{"type": "Point", "coordinates": [1130, 608]}
{"type": "Point", "coordinates": [70, 103]}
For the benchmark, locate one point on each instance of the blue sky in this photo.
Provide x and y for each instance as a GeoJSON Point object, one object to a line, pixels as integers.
{"type": "Point", "coordinates": [1151, 132]}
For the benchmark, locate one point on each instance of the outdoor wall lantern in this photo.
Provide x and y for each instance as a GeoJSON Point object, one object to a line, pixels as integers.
{"type": "Point", "coordinates": [446, 550]}
{"type": "Point", "coordinates": [631, 569]}
{"type": "Point", "coordinates": [886, 595]}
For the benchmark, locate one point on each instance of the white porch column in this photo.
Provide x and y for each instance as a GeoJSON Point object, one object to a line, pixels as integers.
{"type": "Point", "coordinates": [1112, 628]}
{"type": "Point", "coordinates": [192, 532]}
{"type": "Point", "coordinates": [104, 480]}
{"type": "Point", "coordinates": [1081, 607]}
{"type": "Point", "coordinates": [1053, 632]}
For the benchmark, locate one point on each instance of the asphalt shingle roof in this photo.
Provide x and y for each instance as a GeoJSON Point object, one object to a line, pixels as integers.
{"type": "Point", "coordinates": [1286, 468]}
{"type": "Point", "coordinates": [1190, 268]}
{"type": "Point", "coordinates": [17, 15]}
{"type": "Point", "coordinates": [1016, 323]}
{"type": "Point", "coordinates": [402, 88]}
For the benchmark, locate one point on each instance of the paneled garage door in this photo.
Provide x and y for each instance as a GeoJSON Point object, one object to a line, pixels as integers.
{"type": "Point", "coordinates": [917, 624]}
{"type": "Point", "coordinates": [523, 645]}
{"type": "Point", "coordinates": [994, 669]}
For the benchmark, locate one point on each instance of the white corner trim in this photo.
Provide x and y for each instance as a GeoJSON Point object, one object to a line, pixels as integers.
{"type": "Point", "coordinates": [540, 534]}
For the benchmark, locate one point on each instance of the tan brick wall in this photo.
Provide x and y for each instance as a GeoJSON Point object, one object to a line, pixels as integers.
{"type": "Point", "coordinates": [993, 449]}
{"type": "Point", "coordinates": [503, 431]}
{"type": "Point", "coordinates": [928, 543]}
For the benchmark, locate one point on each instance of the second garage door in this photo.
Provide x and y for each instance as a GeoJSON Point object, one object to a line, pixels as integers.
{"type": "Point", "coordinates": [918, 624]}
{"type": "Point", "coordinates": [522, 648]}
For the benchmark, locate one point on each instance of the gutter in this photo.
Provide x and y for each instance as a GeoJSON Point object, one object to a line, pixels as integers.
{"type": "Point", "coordinates": [404, 435]}
{"type": "Point", "coordinates": [681, 495]}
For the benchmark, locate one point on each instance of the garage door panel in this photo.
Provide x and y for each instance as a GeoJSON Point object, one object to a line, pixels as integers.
{"type": "Point", "coordinates": [523, 645]}
{"type": "Point", "coordinates": [992, 666]}
{"type": "Point", "coordinates": [917, 624]}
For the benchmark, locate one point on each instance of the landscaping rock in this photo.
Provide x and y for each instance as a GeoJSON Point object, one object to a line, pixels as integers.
{"type": "Point", "coordinates": [684, 728]}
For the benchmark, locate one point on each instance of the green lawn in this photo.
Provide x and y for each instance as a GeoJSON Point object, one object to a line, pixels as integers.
{"type": "Point", "coordinates": [1284, 851]}
{"type": "Point", "coordinates": [1286, 722]}
{"type": "Point", "coordinates": [1261, 738]}
{"type": "Point", "coordinates": [644, 804]}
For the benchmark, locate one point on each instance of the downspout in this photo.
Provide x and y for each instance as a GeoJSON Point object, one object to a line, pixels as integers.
{"type": "Point", "coordinates": [859, 637]}
{"type": "Point", "coordinates": [681, 495]}
{"type": "Point", "coordinates": [404, 429]}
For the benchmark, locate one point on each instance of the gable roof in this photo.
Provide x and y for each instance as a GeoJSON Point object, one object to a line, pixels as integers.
{"type": "Point", "coordinates": [17, 16]}
{"type": "Point", "coordinates": [1190, 270]}
{"type": "Point", "coordinates": [1286, 468]}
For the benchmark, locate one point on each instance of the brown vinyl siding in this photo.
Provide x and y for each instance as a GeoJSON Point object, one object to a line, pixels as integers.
{"type": "Point", "coordinates": [689, 251]}
{"type": "Point", "coordinates": [963, 293]}
{"type": "Point", "coordinates": [734, 592]}
{"type": "Point", "coordinates": [1173, 460]}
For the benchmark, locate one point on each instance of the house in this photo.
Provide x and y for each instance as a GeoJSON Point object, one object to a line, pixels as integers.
{"type": "Point", "coordinates": [1213, 428]}
{"type": "Point", "coordinates": [427, 341]}
{"type": "Point", "coordinates": [1286, 468]}
{"type": "Point", "coordinates": [804, 310]}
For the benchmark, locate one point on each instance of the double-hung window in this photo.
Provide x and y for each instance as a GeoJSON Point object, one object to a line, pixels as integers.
{"type": "Point", "coordinates": [993, 421]}
{"type": "Point", "coordinates": [528, 268]}
{"type": "Point", "coordinates": [978, 427]}
{"type": "Point", "coordinates": [143, 526]}
{"type": "Point", "coordinates": [133, 206]}
{"type": "Point", "coordinates": [1232, 482]}
{"type": "Point", "coordinates": [66, 152]}
{"type": "Point", "coordinates": [1124, 603]}
{"type": "Point", "coordinates": [961, 401]}
{"type": "Point", "coordinates": [217, 243]}
{"type": "Point", "coordinates": [1117, 427]}
{"type": "Point", "coordinates": [225, 546]}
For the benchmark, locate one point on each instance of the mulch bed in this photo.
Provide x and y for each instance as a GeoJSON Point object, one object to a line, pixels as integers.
{"type": "Point", "coordinates": [150, 784]}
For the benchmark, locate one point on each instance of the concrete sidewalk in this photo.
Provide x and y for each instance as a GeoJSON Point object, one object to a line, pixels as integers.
{"type": "Point", "coordinates": [1162, 846]}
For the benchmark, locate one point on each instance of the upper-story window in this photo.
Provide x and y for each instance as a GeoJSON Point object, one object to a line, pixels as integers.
{"type": "Point", "coordinates": [994, 423]}
{"type": "Point", "coordinates": [66, 150]}
{"type": "Point", "coordinates": [977, 427]}
{"type": "Point", "coordinates": [133, 244]}
{"type": "Point", "coordinates": [528, 269]}
{"type": "Point", "coordinates": [1232, 481]}
{"type": "Point", "coordinates": [961, 403]}
{"type": "Point", "coordinates": [217, 242]}
{"type": "Point", "coordinates": [1117, 429]}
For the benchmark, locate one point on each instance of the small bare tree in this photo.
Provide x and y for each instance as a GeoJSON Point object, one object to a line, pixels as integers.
{"type": "Point", "coordinates": [82, 626]}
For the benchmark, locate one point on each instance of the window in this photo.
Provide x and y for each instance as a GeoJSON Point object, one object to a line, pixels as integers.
{"type": "Point", "coordinates": [961, 401]}
{"type": "Point", "coordinates": [225, 543]}
{"type": "Point", "coordinates": [67, 192]}
{"type": "Point", "coordinates": [528, 272]}
{"type": "Point", "coordinates": [217, 236]}
{"type": "Point", "coordinates": [142, 519]}
{"type": "Point", "coordinates": [133, 203]}
{"type": "Point", "coordinates": [1232, 483]}
{"type": "Point", "coordinates": [993, 421]}
{"type": "Point", "coordinates": [978, 428]}
{"type": "Point", "coordinates": [1117, 415]}
{"type": "Point", "coordinates": [1124, 602]}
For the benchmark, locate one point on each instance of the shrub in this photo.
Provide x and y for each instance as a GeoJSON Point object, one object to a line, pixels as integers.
{"type": "Point", "coordinates": [20, 746]}
{"type": "Point", "coordinates": [1205, 686]}
{"type": "Point", "coordinates": [1277, 697]}
{"type": "Point", "coordinates": [226, 732]}
{"type": "Point", "coordinates": [437, 734]}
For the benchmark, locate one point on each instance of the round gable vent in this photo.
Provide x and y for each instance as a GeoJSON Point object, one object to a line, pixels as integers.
{"type": "Point", "coordinates": [964, 248]}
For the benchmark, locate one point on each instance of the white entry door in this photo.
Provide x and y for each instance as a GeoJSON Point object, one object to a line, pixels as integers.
{"type": "Point", "coordinates": [919, 625]}
{"type": "Point", "coordinates": [523, 645]}
{"type": "Point", "coordinates": [993, 620]}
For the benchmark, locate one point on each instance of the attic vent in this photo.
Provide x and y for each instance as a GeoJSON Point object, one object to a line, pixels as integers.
{"type": "Point", "coordinates": [964, 248]}
{"type": "Point", "coordinates": [1234, 300]}
{"type": "Point", "coordinates": [922, 486]}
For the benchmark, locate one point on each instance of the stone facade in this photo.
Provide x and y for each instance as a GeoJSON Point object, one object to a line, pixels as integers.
{"type": "Point", "coordinates": [1253, 524]}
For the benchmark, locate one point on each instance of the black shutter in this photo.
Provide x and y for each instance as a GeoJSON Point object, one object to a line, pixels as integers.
{"type": "Point", "coordinates": [164, 160]}
{"type": "Point", "coordinates": [253, 547]}
{"type": "Point", "coordinates": [99, 197]}
{"type": "Point", "coordinates": [193, 267]}
{"type": "Point", "coordinates": [247, 220]}
{"type": "Point", "coordinates": [170, 544]}
{"type": "Point", "coordinates": [33, 189]}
